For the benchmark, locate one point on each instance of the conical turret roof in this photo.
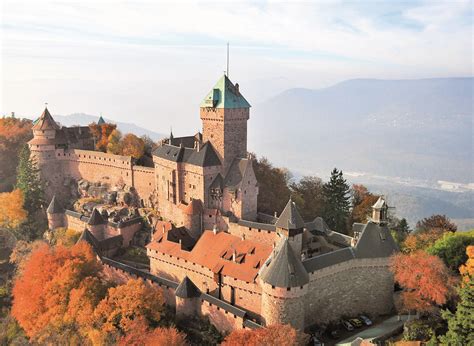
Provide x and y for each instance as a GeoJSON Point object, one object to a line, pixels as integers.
{"type": "Point", "coordinates": [285, 268]}
{"type": "Point", "coordinates": [380, 203]}
{"type": "Point", "coordinates": [101, 121]}
{"type": "Point", "coordinates": [96, 218]}
{"type": "Point", "coordinates": [290, 217]}
{"type": "Point", "coordinates": [45, 122]}
{"type": "Point", "coordinates": [187, 289]}
{"type": "Point", "coordinates": [55, 207]}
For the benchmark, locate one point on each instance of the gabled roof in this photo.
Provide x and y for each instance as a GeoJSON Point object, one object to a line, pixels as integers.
{"type": "Point", "coordinates": [236, 173]}
{"type": "Point", "coordinates": [290, 217]}
{"type": "Point", "coordinates": [375, 241]}
{"type": "Point", "coordinates": [224, 95]}
{"type": "Point", "coordinates": [285, 268]}
{"type": "Point", "coordinates": [187, 289]}
{"type": "Point", "coordinates": [204, 157]}
{"type": "Point", "coordinates": [218, 182]}
{"type": "Point", "coordinates": [96, 218]}
{"type": "Point", "coordinates": [100, 121]}
{"type": "Point", "coordinates": [45, 122]}
{"type": "Point", "coordinates": [55, 207]}
{"type": "Point", "coordinates": [380, 203]}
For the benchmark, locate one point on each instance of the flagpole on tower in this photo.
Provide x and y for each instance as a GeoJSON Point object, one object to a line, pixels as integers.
{"type": "Point", "coordinates": [227, 70]}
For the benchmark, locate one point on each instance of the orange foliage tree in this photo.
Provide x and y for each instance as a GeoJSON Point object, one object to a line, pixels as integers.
{"type": "Point", "coordinates": [12, 213]}
{"type": "Point", "coordinates": [467, 270]}
{"type": "Point", "coordinates": [14, 133]}
{"type": "Point", "coordinates": [362, 202]}
{"type": "Point", "coordinates": [272, 335]}
{"type": "Point", "coordinates": [101, 134]}
{"type": "Point", "coordinates": [140, 335]}
{"type": "Point", "coordinates": [115, 315]}
{"type": "Point", "coordinates": [425, 279]}
{"type": "Point", "coordinates": [133, 146]}
{"type": "Point", "coordinates": [421, 240]}
{"type": "Point", "coordinates": [55, 291]}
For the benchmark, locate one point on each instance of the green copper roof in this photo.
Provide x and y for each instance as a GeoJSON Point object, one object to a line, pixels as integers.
{"type": "Point", "coordinates": [101, 121]}
{"type": "Point", "coordinates": [225, 95]}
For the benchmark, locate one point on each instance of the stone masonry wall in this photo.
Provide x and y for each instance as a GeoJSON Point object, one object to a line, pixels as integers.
{"type": "Point", "coordinates": [348, 289]}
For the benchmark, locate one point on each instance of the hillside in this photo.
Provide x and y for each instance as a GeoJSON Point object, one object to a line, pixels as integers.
{"type": "Point", "coordinates": [402, 128]}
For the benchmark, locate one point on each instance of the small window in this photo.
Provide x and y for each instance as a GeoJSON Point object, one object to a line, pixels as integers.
{"type": "Point", "coordinates": [288, 288]}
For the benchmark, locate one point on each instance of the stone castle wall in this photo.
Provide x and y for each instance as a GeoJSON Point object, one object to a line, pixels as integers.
{"type": "Point", "coordinates": [59, 165]}
{"type": "Point", "coordinates": [247, 295]}
{"type": "Point", "coordinates": [348, 289]}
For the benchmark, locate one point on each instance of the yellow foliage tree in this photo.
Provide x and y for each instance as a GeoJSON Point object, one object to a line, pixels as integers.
{"type": "Point", "coordinates": [12, 213]}
{"type": "Point", "coordinates": [467, 270]}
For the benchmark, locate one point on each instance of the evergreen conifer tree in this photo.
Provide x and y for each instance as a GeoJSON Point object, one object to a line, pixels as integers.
{"type": "Point", "coordinates": [460, 324]}
{"type": "Point", "coordinates": [29, 182]}
{"type": "Point", "coordinates": [336, 201]}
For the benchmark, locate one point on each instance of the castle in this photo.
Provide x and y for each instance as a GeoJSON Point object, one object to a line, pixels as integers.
{"type": "Point", "coordinates": [211, 249]}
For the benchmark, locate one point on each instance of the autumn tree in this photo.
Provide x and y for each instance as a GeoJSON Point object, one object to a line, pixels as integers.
{"type": "Point", "coordinates": [425, 279]}
{"type": "Point", "coordinates": [460, 324]}
{"type": "Point", "coordinates": [101, 133]}
{"type": "Point", "coordinates": [272, 335]}
{"type": "Point", "coordinates": [132, 146]}
{"type": "Point", "coordinates": [308, 195]}
{"type": "Point", "coordinates": [440, 223]}
{"type": "Point", "coordinates": [142, 335]}
{"type": "Point", "coordinates": [420, 240]}
{"type": "Point", "coordinates": [336, 202]}
{"type": "Point", "coordinates": [114, 145]}
{"type": "Point", "coordinates": [451, 248]}
{"type": "Point", "coordinates": [14, 134]}
{"type": "Point", "coordinates": [12, 214]}
{"type": "Point", "coordinates": [274, 192]}
{"type": "Point", "coordinates": [114, 316]}
{"type": "Point", "coordinates": [49, 303]}
{"type": "Point", "coordinates": [467, 269]}
{"type": "Point", "coordinates": [22, 252]}
{"type": "Point", "coordinates": [362, 202]}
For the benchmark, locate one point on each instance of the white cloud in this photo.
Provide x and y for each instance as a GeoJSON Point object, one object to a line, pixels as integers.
{"type": "Point", "coordinates": [177, 48]}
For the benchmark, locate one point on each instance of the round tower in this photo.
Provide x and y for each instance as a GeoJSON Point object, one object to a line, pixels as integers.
{"type": "Point", "coordinates": [187, 298]}
{"type": "Point", "coordinates": [284, 283]}
{"type": "Point", "coordinates": [45, 139]}
{"type": "Point", "coordinates": [55, 212]}
{"type": "Point", "coordinates": [96, 225]}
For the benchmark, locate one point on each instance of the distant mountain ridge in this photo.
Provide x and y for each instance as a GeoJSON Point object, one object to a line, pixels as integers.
{"type": "Point", "coordinates": [409, 128]}
{"type": "Point", "coordinates": [86, 119]}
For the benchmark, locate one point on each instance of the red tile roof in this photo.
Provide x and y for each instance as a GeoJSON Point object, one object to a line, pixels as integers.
{"type": "Point", "coordinates": [215, 251]}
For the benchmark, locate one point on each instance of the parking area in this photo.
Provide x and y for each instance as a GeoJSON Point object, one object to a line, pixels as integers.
{"type": "Point", "coordinates": [384, 326]}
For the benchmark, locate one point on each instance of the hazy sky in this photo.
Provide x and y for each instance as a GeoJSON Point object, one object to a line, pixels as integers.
{"type": "Point", "coordinates": [151, 62]}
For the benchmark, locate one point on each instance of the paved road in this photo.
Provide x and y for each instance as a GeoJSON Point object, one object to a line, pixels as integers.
{"type": "Point", "coordinates": [386, 327]}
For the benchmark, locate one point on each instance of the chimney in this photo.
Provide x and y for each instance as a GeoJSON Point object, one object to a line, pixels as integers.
{"type": "Point", "coordinates": [243, 236]}
{"type": "Point", "coordinates": [237, 88]}
{"type": "Point", "coordinates": [234, 255]}
{"type": "Point", "coordinates": [198, 147]}
{"type": "Point", "coordinates": [163, 227]}
{"type": "Point", "coordinates": [275, 214]}
{"type": "Point", "coordinates": [214, 229]}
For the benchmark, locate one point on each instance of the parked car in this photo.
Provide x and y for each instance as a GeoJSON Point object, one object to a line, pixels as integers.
{"type": "Point", "coordinates": [356, 322]}
{"type": "Point", "coordinates": [346, 324]}
{"type": "Point", "coordinates": [366, 320]}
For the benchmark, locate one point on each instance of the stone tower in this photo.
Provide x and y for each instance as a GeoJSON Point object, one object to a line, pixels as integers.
{"type": "Point", "coordinates": [44, 140]}
{"type": "Point", "coordinates": [284, 282]}
{"type": "Point", "coordinates": [56, 217]}
{"type": "Point", "coordinates": [290, 224]}
{"type": "Point", "coordinates": [224, 114]}
{"type": "Point", "coordinates": [96, 225]}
